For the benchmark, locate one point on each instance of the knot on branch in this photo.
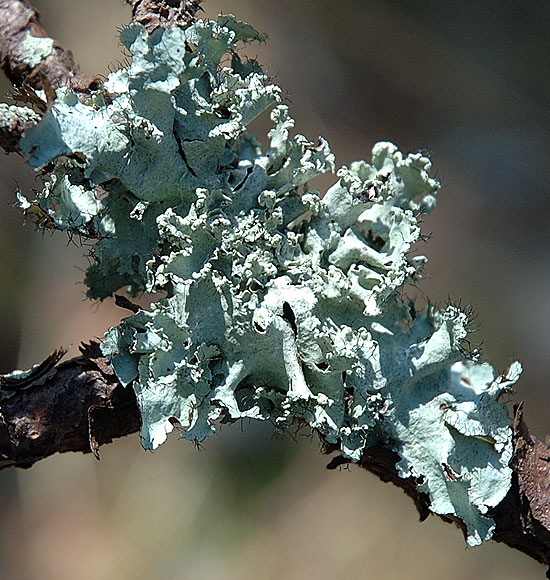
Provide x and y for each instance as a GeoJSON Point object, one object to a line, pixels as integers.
{"type": "Point", "coordinates": [166, 13]}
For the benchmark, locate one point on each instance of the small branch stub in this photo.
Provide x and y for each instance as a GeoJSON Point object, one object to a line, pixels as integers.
{"type": "Point", "coordinates": [156, 13]}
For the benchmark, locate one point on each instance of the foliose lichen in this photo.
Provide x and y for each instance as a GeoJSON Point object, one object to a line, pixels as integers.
{"type": "Point", "coordinates": [36, 48]}
{"type": "Point", "coordinates": [279, 303]}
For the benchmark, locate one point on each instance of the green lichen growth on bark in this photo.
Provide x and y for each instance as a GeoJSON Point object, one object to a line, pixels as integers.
{"type": "Point", "coordinates": [280, 304]}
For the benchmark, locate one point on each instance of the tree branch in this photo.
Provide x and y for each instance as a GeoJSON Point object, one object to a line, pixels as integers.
{"type": "Point", "coordinates": [523, 517]}
{"type": "Point", "coordinates": [79, 405]}
{"type": "Point", "coordinates": [28, 56]}
{"type": "Point", "coordinates": [32, 61]}
{"type": "Point", "coordinates": [76, 406]}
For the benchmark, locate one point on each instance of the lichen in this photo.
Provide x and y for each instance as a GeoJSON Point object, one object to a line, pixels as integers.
{"type": "Point", "coordinates": [280, 303]}
{"type": "Point", "coordinates": [36, 49]}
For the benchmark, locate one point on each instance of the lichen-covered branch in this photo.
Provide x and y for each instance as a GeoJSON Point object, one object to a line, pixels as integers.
{"type": "Point", "coordinates": [269, 313]}
{"type": "Point", "coordinates": [28, 56]}
{"type": "Point", "coordinates": [37, 66]}
{"type": "Point", "coordinates": [278, 302]}
{"type": "Point", "coordinates": [75, 406]}
{"type": "Point", "coordinates": [522, 518]}
{"type": "Point", "coordinates": [80, 405]}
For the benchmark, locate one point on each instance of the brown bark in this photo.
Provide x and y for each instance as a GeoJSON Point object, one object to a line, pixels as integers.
{"type": "Point", "coordinates": [75, 406]}
{"type": "Point", "coordinates": [18, 20]}
{"type": "Point", "coordinates": [156, 13]}
{"type": "Point", "coordinates": [523, 518]}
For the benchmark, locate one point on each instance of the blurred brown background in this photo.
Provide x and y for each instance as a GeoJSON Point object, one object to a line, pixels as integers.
{"type": "Point", "coordinates": [467, 81]}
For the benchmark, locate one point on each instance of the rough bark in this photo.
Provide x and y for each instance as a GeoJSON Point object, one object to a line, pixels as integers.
{"type": "Point", "coordinates": [155, 13]}
{"type": "Point", "coordinates": [18, 20]}
{"type": "Point", "coordinates": [77, 405]}
{"type": "Point", "coordinates": [523, 518]}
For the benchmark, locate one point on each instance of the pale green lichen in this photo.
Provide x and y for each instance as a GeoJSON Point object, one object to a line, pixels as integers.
{"type": "Point", "coordinates": [281, 304]}
{"type": "Point", "coordinates": [36, 48]}
{"type": "Point", "coordinates": [12, 115]}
